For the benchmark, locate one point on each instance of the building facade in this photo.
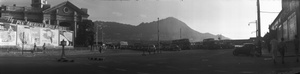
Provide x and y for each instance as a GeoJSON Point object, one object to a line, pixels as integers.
{"type": "Point", "coordinates": [64, 14]}
{"type": "Point", "coordinates": [286, 24]}
{"type": "Point", "coordinates": [40, 24]}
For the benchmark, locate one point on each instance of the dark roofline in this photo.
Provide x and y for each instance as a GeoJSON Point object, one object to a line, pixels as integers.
{"type": "Point", "coordinates": [277, 18]}
{"type": "Point", "coordinates": [65, 3]}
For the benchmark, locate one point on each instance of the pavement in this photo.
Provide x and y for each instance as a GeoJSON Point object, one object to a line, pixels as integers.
{"type": "Point", "coordinates": [115, 61]}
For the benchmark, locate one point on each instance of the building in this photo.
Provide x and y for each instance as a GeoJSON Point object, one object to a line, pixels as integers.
{"type": "Point", "coordinates": [286, 23]}
{"type": "Point", "coordinates": [40, 24]}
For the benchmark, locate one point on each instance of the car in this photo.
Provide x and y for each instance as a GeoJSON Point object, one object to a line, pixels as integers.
{"type": "Point", "coordinates": [247, 49]}
{"type": "Point", "coordinates": [175, 48]}
{"type": "Point", "coordinates": [172, 47]}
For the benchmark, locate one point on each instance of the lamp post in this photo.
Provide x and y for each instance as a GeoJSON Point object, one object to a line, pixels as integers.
{"type": "Point", "coordinates": [63, 43]}
{"type": "Point", "coordinates": [63, 56]}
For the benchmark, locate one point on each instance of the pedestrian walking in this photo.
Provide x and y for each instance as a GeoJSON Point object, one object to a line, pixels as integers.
{"type": "Point", "coordinates": [274, 47]}
{"type": "Point", "coordinates": [100, 49]}
{"type": "Point", "coordinates": [44, 48]}
{"type": "Point", "coordinates": [296, 44]}
{"type": "Point", "coordinates": [34, 48]}
{"type": "Point", "coordinates": [282, 48]}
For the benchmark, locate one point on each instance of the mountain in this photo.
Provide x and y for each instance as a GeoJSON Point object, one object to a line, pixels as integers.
{"type": "Point", "coordinates": [169, 29]}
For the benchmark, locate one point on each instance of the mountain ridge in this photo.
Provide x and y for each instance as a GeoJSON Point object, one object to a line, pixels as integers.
{"type": "Point", "coordinates": [170, 28]}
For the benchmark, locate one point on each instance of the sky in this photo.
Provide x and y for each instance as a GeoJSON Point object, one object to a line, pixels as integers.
{"type": "Point", "coordinates": [229, 18]}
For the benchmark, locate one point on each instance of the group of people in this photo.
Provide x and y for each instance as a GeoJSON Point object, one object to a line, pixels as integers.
{"type": "Point", "coordinates": [281, 47]}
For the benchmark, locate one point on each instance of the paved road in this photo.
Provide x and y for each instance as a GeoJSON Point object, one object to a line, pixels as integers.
{"type": "Point", "coordinates": [132, 62]}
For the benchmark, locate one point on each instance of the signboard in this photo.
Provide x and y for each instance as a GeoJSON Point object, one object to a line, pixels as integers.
{"type": "Point", "coordinates": [67, 36]}
{"type": "Point", "coordinates": [8, 34]}
{"type": "Point", "coordinates": [35, 36]}
{"type": "Point", "coordinates": [49, 36]}
{"type": "Point", "coordinates": [24, 37]}
{"type": "Point", "coordinates": [32, 24]}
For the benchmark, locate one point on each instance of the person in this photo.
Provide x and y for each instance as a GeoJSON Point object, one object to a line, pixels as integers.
{"type": "Point", "coordinates": [34, 48]}
{"type": "Point", "coordinates": [282, 48]}
{"type": "Point", "coordinates": [100, 48]}
{"type": "Point", "coordinates": [44, 48]}
{"type": "Point", "coordinates": [274, 44]}
{"type": "Point", "coordinates": [296, 44]}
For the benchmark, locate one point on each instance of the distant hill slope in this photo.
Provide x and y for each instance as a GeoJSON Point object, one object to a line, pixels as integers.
{"type": "Point", "coordinates": [169, 29]}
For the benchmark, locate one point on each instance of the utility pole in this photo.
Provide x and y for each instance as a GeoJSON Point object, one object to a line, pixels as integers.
{"type": "Point", "coordinates": [258, 26]}
{"type": "Point", "coordinates": [97, 36]}
{"type": "Point", "coordinates": [158, 41]}
{"type": "Point", "coordinates": [258, 18]}
{"type": "Point", "coordinates": [102, 34]}
{"type": "Point", "coordinates": [180, 33]}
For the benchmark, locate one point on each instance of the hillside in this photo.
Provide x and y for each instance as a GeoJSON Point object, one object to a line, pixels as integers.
{"type": "Point", "coordinates": [169, 29]}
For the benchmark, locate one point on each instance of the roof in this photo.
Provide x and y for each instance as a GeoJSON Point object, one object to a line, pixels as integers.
{"type": "Point", "coordinates": [63, 4]}
{"type": "Point", "coordinates": [276, 19]}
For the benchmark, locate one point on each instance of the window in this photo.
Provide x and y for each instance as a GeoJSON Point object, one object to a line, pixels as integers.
{"type": "Point", "coordinates": [66, 9]}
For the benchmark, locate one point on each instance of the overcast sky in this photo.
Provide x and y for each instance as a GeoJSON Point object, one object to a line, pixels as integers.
{"type": "Point", "coordinates": [227, 17]}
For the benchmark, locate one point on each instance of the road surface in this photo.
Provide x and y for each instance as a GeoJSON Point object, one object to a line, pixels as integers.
{"type": "Point", "coordinates": [220, 61]}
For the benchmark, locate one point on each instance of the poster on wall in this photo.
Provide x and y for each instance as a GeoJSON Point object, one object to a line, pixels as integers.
{"type": "Point", "coordinates": [8, 34]}
{"type": "Point", "coordinates": [49, 36]}
{"type": "Point", "coordinates": [35, 36]}
{"type": "Point", "coordinates": [24, 36]}
{"type": "Point", "coordinates": [67, 36]}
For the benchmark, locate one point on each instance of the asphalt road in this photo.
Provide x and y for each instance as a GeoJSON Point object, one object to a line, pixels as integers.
{"type": "Point", "coordinates": [116, 61]}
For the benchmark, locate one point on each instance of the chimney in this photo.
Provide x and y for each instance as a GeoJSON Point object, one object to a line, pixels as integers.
{"type": "Point", "coordinates": [85, 10]}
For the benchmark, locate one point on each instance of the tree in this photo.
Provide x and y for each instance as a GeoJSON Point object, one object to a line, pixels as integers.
{"type": "Point", "coordinates": [84, 33]}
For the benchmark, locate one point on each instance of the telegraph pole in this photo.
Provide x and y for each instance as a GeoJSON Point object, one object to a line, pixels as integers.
{"type": "Point", "coordinates": [258, 19]}
{"type": "Point", "coordinates": [258, 26]}
{"type": "Point", "coordinates": [180, 33]}
{"type": "Point", "coordinates": [102, 34]}
{"type": "Point", "coordinates": [97, 36]}
{"type": "Point", "coordinates": [158, 41]}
